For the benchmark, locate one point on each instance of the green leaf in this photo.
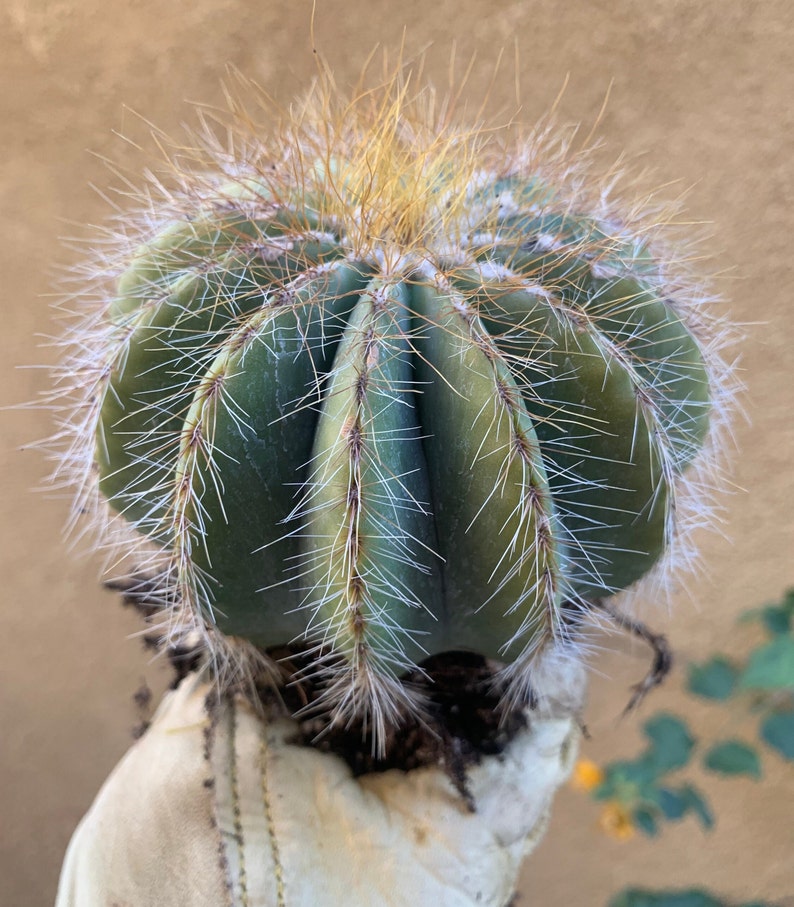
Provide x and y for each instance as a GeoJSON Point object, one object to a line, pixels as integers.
{"type": "Point", "coordinates": [692, 897]}
{"type": "Point", "coordinates": [733, 757]}
{"type": "Point", "coordinates": [777, 730]}
{"type": "Point", "coordinates": [698, 805]}
{"type": "Point", "coordinates": [671, 742]}
{"type": "Point", "coordinates": [771, 667]}
{"type": "Point", "coordinates": [672, 803]}
{"type": "Point", "coordinates": [626, 780]}
{"type": "Point", "coordinates": [776, 620]}
{"type": "Point", "coordinates": [714, 679]}
{"type": "Point", "coordinates": [645, 820]}
{"type": "Point", "coordinates": [638, 897]}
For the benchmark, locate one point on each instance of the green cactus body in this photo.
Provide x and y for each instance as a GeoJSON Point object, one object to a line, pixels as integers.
{"type": "Point", "coordinates": [395, 403]}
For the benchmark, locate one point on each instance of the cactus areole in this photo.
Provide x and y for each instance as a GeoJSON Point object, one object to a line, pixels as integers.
{"type": "Point", "coordinates": [393, 391]}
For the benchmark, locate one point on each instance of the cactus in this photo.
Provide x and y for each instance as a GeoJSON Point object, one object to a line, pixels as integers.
{"type": "Point", "coordinates": [390, 390]}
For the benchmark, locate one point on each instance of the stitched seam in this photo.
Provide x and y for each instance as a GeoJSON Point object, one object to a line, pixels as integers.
{"type": "Point", "coordinates": [223, 857]}
{"type": "Point", "coordinates": [271, 828]}
{"type": "Point", "coordinates": [238, 824]}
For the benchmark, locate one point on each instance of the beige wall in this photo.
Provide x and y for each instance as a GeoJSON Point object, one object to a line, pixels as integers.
{"type": "Point", "coordinates": [701, 93]}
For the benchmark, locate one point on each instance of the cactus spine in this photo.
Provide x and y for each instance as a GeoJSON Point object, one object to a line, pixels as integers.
{"type": "Point", "coordinates": [392, 391]}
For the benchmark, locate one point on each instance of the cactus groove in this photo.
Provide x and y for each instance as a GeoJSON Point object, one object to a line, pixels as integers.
{"type": "Point", "coordinates": [392, 393]}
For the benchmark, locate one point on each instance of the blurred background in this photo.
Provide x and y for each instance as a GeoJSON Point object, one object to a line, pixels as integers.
{"type": "Point", "coordinates": [700, 96]}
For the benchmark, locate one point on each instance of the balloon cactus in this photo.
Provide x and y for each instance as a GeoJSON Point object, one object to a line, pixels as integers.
{"type": "Point", "coordinates": [388, 390]}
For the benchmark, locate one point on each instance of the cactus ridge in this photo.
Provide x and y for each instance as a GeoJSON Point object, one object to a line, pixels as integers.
{"type": "Point", "coordinates": [392, 391]}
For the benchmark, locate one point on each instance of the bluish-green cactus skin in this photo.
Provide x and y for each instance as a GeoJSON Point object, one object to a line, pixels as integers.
{"type": "Point", "coordinates": [392, 457]}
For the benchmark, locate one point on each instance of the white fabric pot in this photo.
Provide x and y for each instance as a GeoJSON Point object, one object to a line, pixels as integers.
{"type": "Point", "coordinates": [229, 812]}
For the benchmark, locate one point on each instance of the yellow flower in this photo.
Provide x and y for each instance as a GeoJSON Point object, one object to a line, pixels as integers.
{"type": "Point", "coordinates": [616, 821]}
{"type": "Point", "coordinates": [586, 775]}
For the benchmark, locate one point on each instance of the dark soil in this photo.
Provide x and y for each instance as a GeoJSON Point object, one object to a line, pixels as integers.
{"type": "Point", "coordinates": [463, 716]}
{"type": "Point", "coordinates": [462, 720]}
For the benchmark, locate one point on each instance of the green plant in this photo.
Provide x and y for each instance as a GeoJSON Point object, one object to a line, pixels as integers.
{"type": "Point", "coordinates": [693, 897]}
{"type": "Point", "coordinates": [639, 793]}
{"type": "Point", "coordinates": [386, 389]}
{"type": "Point", "coordinates": [643, 793]}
